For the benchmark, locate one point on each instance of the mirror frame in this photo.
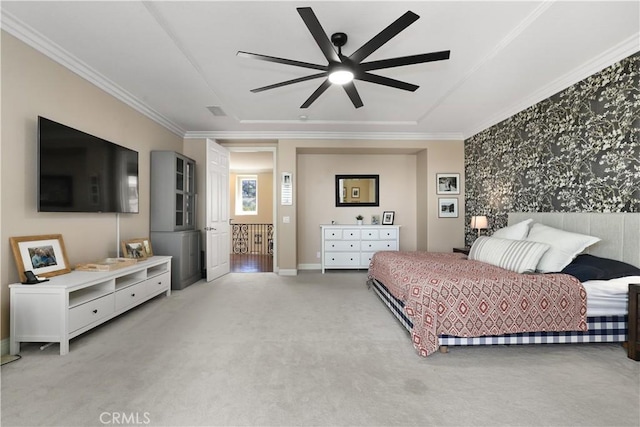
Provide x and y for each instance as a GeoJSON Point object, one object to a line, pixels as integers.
{"type": "Point", "coordinates": [338, 190]}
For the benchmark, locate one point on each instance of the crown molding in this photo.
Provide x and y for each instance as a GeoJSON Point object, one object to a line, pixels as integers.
{"type": "Point", "coordinates": [617, 53]}
{"type": "Point", "coordinates": [397, 136]}
{"type": "Point", "coordinates": [39, 42]}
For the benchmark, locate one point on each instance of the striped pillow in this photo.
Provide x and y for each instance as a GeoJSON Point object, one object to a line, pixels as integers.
{"type": "Point", "coordinates": [521, 256]}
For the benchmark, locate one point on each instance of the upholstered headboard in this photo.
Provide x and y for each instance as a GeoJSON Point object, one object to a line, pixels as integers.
{"type": "Point", "coordinates": [620, 232]}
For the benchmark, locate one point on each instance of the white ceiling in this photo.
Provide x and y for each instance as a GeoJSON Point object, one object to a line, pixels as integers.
{"type": "Point", "coordinates": [173, 59]}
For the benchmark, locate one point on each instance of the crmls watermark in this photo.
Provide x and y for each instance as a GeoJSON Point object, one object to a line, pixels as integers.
{"type": "Point", "coordinates": [125, 418]}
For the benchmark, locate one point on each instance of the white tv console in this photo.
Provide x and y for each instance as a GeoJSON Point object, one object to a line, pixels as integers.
{"type": "Point", "coordinates": [72, 304]}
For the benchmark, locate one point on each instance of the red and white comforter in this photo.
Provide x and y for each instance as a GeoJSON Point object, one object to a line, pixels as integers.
{"type": "Point", "coordinates": [444, 293]}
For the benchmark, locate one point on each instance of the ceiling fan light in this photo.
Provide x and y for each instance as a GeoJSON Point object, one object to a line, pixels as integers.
{"type": "Point", "coordinates": [340, 77]}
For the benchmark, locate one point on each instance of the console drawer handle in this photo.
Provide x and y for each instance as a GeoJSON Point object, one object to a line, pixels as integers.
{"type": "Point", "coordinates": [95, 311]}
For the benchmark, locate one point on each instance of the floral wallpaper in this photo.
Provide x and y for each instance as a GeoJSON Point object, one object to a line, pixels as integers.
{"type": "Point", "coordinates": [576, 151]}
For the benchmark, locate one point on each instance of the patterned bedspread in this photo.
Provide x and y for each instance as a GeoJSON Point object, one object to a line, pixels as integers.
{"type": "Point", "coordinates": [444, 293]}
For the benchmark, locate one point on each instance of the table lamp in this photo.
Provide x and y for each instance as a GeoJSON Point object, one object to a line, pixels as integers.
{"type": "Point", "coordinates": [479, 222]}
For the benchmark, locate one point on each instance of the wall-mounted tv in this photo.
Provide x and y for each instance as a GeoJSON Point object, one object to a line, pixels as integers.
{"type": "Point", "coordinates": [78, 172]}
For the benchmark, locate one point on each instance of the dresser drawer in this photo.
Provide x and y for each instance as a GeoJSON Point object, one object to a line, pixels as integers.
{"type": "Point", "coordinates": [370, 234]}
{"type": "Point", "coordinates": [341, 245]}
{"type": "Point", "coordinates": [389, 233]}
{"type": "Point", "coordinates": [380, 245]}
{"type": "Point", "coordinates": [365, 258]}
{"type": "Point", "coordinates": [159, 283]}
{"type": "Point", "coordinates": [342, 234]}
{"type": "Point", "coordinates": [342, 259]}
{"type": "Point", "coordinates": [131, 295]}
{"type": "Point", "coordinates": [92, 311]}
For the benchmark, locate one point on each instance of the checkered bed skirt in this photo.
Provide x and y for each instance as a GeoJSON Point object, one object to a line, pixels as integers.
{"type": "Point", "coordinates": [601, 328]}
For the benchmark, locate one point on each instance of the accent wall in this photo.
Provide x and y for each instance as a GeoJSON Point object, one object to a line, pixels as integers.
{"type": "Point", "coordinates": [576, 151]}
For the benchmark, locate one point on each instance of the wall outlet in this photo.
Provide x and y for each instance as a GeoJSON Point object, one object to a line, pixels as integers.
{"type": "Point", "coordinates": [318, 255]}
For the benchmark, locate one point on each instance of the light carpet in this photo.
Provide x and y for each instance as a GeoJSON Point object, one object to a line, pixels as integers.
{"type": "Point", "coordinates": [257, 349]}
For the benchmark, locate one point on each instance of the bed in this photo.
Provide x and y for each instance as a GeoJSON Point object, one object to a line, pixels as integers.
{"type": "Point", "coordinates": [443, 299]}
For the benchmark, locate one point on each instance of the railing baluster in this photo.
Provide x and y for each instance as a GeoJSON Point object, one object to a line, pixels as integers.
{"type": "Point", "coordinates": [252, 239]}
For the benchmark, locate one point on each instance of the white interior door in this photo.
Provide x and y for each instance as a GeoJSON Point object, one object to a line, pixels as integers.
{"type": "Point", "coordinates": [217, 211]}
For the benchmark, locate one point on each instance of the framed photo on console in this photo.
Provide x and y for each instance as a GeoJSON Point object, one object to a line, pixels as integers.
{"type": "Point", "coordinates": [135, 248]}
{"type": "Point", "coordinates": [44, 255]}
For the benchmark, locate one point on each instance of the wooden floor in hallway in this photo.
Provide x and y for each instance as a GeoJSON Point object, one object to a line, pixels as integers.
{"type": "Point", "coordinates": [251, 263]}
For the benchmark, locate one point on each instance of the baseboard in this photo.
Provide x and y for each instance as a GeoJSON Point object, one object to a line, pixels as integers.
{"type": "Point", "coordinates": [4, 346]}
{"type": "Point", "coordinates": [309, 266]}
{"type": "Point", "coordinates": [288, 272]}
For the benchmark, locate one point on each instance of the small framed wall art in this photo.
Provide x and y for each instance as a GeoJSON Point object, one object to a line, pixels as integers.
{"type": "Point", "coordinates": [387, 217]}
{"type": "Point", "coordinates": [448, 183]}
{"type": "Point", "coordinates": [447, 208]}
{"type": "Point", "coordinates": [44, 255]}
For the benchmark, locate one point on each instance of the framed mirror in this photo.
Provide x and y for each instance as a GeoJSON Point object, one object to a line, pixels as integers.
{"type": "Point", "coordinates": [357, 190]}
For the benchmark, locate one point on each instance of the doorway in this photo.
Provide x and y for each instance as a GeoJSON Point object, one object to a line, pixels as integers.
{"type": "Point", "coordinates": [252, 209]}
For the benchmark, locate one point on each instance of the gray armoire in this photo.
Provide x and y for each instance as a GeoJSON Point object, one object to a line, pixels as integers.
{"type": "Point", "coordinates": [173, 207]}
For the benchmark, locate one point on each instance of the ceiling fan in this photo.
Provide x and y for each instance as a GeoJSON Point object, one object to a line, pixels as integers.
{"type": "Point", "coordinates": [342, 70]}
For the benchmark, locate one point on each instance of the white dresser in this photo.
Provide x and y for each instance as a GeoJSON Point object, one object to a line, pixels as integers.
{"type": "Point", "coordinates": [352, 246]}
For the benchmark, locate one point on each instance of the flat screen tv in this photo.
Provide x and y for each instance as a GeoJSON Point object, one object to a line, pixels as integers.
{"type": "Point", "coordinates": [78, 172]}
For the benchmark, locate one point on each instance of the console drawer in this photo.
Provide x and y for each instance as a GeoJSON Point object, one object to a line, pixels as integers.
{"type": "Point", "coordinates": [159, 283]}
{"type": "Point", "coordinates": [130, 296]}
{"type": "Point", "coordinates": [92, 311]}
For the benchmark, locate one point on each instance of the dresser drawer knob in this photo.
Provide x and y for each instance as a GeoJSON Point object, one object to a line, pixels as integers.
{"type": "Point", "coordinates": [133, 295]}
{"type": "Point", "coordinates": [95, 311]}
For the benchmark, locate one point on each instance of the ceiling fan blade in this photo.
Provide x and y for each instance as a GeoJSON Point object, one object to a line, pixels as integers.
{"type": "Point", "coordinates": [405, 60]}
{"type": "Point", "coordinates": [318, 33]}
{"type": "Point", "coordinates": [281, 60]}
{"type": "Point", "coordinates": [289, 82]}
{"type": "Point", "coordinates": [324, 86]}
{"type": "Point", "coordinates": [386, 81]}
{"type": "Point", "coordinates": [384, 36]}
{"type": "Point", "coordinates": [351, 90]}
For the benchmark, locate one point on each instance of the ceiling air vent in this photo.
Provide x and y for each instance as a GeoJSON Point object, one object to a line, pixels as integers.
{"type": "Point", "coordinates": [217, 111]}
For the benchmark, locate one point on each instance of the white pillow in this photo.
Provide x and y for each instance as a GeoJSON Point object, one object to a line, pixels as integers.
{"type": "Point", "coordinates": [520, 256]}
{"type": "Point", "coordinates": [517, 231]}
{"type": "Point", "coordinates": [564, 246]}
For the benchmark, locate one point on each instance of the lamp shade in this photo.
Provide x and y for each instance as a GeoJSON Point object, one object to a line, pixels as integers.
{"type": "Point", "coordinates": [479, 222]}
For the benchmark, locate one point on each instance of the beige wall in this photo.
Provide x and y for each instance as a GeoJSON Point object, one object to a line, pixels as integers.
{"type": "Point", "coordinates": [316, 196]}
{"type": "Point", "coordinates": [409, 188]}
{"type": "Point", "coordinates": [33, 85]}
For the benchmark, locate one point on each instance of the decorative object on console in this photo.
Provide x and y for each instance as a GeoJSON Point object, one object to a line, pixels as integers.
{"type": "Point", "coordinates": [43, 255]}
{"type": "Point", "coordinates": [387, 217]}
{"type": "Point", "coordinates": [359, 219]}
{"type": "Point", "coordinates": [448, 183]}
{"type": "Point", "coordinates": [479, 222]}
{"type": "Point", "coordinates": [134, 248]}
{"type": "Point", "coordinates": [447, 208]}
{"type": "Point", "coordinates": [108, 264]}
{"type": "Point", "coordinates": [375, 219]}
